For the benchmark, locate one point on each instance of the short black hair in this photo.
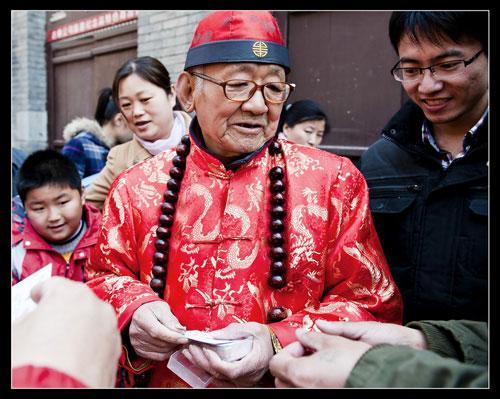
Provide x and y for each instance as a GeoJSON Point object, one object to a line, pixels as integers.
{"type": "Point", "coordinates": [438, 26]}
{"type": "Point", "coordinates": [301, 111]}
{"type": "Point", "coordinates": [148, 68]}
{"type": "Point", "coordinates": [47, 167]}
{"type": "Point", "coordinates": [106, 107]}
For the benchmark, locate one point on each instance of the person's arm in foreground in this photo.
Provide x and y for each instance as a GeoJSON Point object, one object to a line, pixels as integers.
{"type": "Point", "coordinates": [370, 354]}
{"type": "Point", "coordinates": [70, 340]}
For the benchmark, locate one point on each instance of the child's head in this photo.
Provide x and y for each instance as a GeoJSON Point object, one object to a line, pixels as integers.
{"type": "Point", "coordinates": [51, 190]}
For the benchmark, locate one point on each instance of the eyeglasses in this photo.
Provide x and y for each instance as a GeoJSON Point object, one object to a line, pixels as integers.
{"type": "Point", "coordinates": [243, 90]}
{"type": "Point", "coordinates": [443, 70]}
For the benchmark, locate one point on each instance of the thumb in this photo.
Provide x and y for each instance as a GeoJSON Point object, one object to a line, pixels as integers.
{"type": "Point", "coordinates": [42, 289]}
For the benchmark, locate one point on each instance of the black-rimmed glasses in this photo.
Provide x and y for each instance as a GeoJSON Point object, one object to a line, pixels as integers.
{"type": "Point", "coordinates": [443, 70]}
{"type": "Point", "coordinates": [243, 90]}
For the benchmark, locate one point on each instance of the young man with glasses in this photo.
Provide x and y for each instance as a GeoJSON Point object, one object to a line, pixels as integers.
{"type": "Point", "coordinates": [428, 174]}
{"type": "Point", "coordinates": [237, 232]}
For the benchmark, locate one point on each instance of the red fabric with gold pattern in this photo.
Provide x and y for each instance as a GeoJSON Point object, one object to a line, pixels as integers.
{"type": "Point", "coordinates": [237, 25]}
{"type": "Point", "coordinates": [219, 253]}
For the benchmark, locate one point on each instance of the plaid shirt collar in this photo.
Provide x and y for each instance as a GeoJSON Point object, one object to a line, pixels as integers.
{"type": "Point", "coordinates": [446, 157]}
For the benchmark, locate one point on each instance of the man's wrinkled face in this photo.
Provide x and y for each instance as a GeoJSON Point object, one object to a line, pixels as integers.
{"type": "Point", "coordinates": [232, 128]}
{"type": "Point", "coordinates": [451, 100]}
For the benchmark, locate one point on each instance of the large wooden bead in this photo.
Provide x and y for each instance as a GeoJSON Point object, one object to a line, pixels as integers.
{"type": "Point", "coordinates": [159, 258]}
{"type": "Point", "coordinates": [185, 140]}
{"type": "Point", "coordinates": [179, 161]}
{"type": "Point", "coordinates": [167, 208]}
{"type": "Point", "coordinates": [277, 281]}
{"type": "Point", "coordinates": [278, 212]}
{"type": "Point", "coordinates": [278, 268]}
{"type": "Point", "coordinates": [276, 239]}
{"type": "Point", "coordinates": [161, 245]}
{"type": "Point", "coordinates": [277, 186]}
{"type": "Point", "coordinates": [170, 196]}
{"type": "Point", "coordinates": [182, 150]}
{"type": "Point", "coordinates": [274, 148]}
{"type": "Point", "coordinates": [166, 220]}
{"type": "Point", "coordinates": [277, 314]}
{"type": "Point", "coordinates": [173, 185]}
{"type": "Point", "coordinates": [163, 232]}
{"type": "Point", "coordinates": [176, 172]}
{"type": "Point", "coordinates": [158, 271]}
{"type": "Point", "coordinates": [276, 173]}
{"type": "Point", "coordinates": [157, 285]}
{"type": "Point", "coordinates": [277, 253]}
{"type": "Point", "coordinates": [277, 225]}
{"type": "Point", "coordinates": [278, 199]}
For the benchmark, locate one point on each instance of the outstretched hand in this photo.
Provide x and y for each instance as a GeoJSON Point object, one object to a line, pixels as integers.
{"type": "Point", "coordinates": [329, 365]}
{"type": "Point", "coordinates": [155, 333]}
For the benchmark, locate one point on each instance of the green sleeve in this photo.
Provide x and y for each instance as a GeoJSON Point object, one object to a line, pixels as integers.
{"type": "Point", "coordinates": [463, 340]}
{"type": "Point", "coordinates": [402, 366]}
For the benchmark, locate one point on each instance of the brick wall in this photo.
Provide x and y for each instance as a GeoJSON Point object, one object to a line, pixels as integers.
{"type": "Point", "coordinates": [166, 35]}
{"type": "Point", "coordinates": [28, 80]}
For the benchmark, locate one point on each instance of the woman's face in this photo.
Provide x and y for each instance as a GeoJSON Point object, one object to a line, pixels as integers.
{"type": "Point", "coordinates": [146, 107]}
{"type": "Point", "coordinates": [306, 133]}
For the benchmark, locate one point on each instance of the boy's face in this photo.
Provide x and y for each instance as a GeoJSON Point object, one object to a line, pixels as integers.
{"type": "Point", "coordinates": [54, 211]}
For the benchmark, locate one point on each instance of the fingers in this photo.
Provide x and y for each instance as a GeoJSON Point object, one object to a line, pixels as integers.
{"type": "Point", "coordinates": [283, 364]}
{"type": "Point", "coordinates": [352, 330]}
{"type": "Point", "coordinates": [295, 349]}
{"type": "Point", "coordinates": [52, 284]}
{"type": "Point", "coordinates": [153, 355]}
{"type": "Point", "coordinates": [196, 356]}
{"type": "Point", "coordinates": [282, 384]}
{"type": "Point", "coordinates": [312, 340]}
{"type": "Point", "coordinates": [154, 323]}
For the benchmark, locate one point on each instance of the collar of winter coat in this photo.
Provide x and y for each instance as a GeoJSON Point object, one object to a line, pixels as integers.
{"type": "Point", "coordinates": [405, 127]}
{"type": "Point", "coordinates": [92, 217]}
{"type": "Point", "coordinates": [91, 126]}
{"type": "Point", "coordinates": [229, 164]}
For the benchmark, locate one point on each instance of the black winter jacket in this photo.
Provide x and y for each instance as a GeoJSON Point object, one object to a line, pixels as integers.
{"type": "Point", "coordinates": [432, 222]}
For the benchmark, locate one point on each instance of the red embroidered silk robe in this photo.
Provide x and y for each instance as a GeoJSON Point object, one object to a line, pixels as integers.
{"type": "Point", "coordinates": [219, 259]}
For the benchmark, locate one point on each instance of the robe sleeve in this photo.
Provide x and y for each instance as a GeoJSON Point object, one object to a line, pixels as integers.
{"type": "Point", "coordinates": [30, 376]}
{"type": "Point", "coordinates": [113, 269]}
{"type": "Point", "coordinates": [358, 282]}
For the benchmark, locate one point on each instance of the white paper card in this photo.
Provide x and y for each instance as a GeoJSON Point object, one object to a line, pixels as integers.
{"type": "Point", "coordinates": [22, 303]}
{"type": "Point", "coordinates": [203, 338]}
{"type": "Point", "coordinates": [229, 350]}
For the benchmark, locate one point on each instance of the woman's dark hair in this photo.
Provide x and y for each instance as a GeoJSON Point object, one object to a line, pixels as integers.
{"type": "Point", "coordinates": [301, 111]}
{"type": "Point", "coordinates": [438, 26]}
{"type": "Point", "coordinates": [106, 107]}
{"type": "Point", "coordinates": [47, 167]}
{"type": "Point", "coordinates": [148, 68]}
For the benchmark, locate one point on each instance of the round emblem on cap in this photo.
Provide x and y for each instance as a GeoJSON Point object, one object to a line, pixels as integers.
{"type": "Point", "coordinates": [259, 49]}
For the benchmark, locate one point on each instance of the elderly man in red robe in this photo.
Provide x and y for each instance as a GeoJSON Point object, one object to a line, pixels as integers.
{"type": "Point", "coordinates": [235, 232]}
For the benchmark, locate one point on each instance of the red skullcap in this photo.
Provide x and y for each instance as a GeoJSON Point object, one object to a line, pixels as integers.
{"type": "Point", "coordinates": [237, 36]}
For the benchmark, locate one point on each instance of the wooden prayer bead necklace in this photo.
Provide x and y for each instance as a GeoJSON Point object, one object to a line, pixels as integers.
{"type": "Point", "coordinates": [277, 277]}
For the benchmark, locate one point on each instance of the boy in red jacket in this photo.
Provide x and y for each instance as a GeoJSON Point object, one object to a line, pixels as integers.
{"type": "Point", "coordinates": [59, 227]}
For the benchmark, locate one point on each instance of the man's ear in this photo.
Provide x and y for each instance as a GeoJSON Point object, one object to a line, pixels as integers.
{"type": "Point", "coordinates": [185, 91]}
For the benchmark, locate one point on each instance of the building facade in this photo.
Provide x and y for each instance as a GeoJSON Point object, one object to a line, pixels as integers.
{"type": "Point", "coordinates": [61, 59]}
